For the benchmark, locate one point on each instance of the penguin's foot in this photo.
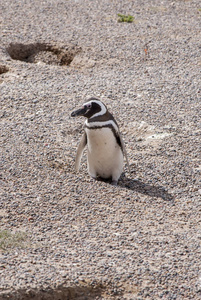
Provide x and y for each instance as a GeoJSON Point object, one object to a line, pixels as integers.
{"type": "Point", "coordinates": [114, 182]}
{"type": "Point", "coordinates": [96, 178]}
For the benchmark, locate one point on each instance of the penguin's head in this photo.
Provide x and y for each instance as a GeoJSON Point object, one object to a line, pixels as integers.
{"type": "Point", "coordinates": [94, 107]}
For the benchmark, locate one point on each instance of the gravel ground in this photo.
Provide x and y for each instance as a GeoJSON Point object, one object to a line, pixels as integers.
{"type": "Point", "coordinates": [71, 237]}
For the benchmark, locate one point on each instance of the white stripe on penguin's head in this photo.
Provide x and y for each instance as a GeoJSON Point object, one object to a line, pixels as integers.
{"type": "Point", "coordinates": [103, 108]}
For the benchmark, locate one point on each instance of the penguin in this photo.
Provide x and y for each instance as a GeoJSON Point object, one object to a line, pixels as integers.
{"type": "Point", "coordinates": [105, 147]}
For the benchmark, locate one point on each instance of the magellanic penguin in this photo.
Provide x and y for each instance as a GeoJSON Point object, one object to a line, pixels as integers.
{"type": "Point", "coordinates": [105, 147]}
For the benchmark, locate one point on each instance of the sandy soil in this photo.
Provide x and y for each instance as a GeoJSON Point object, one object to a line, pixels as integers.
{"type": "Point", "coordinates": [63, 235]}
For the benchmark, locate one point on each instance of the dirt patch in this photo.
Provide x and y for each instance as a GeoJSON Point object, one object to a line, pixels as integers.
{"type": "Point", "coordinates": [83, 290]}
{"type": "Point", "coordinates": [78, 292]}
{"type": "Point", "coordinates": [46, 53]}
{"type": "Point", "coordinates": [146, 133]}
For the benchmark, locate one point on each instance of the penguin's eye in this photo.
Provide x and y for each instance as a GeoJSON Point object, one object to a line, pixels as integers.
{"type": "Point", "coordinates": [88, 106]}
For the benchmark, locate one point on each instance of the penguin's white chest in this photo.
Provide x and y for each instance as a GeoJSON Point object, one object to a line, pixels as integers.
{"type": "Point", "coordinates": [104, 155]}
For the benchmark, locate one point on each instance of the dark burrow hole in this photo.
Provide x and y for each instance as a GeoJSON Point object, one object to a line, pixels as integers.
{"type": "Point", "coordinates": [3, 69]}
{"type": "Point", "coordinates": [51, 54]}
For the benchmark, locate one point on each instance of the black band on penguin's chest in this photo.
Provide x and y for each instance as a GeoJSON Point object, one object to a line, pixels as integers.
{"type": "Point", "coordinates": [112, 129]}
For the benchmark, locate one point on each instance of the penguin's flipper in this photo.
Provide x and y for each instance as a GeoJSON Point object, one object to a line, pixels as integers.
{"type": "Point", "coordinates": [80, 149]}
{"type": "Point", "coordinates": [125, 153]}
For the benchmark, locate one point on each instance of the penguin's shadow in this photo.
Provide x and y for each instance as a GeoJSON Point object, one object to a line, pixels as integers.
{"type": "Point", "coordinates": [145, 188]}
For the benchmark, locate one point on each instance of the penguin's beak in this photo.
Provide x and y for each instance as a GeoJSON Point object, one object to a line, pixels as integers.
{"type": "Point", "coordinates": [79, 112]}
